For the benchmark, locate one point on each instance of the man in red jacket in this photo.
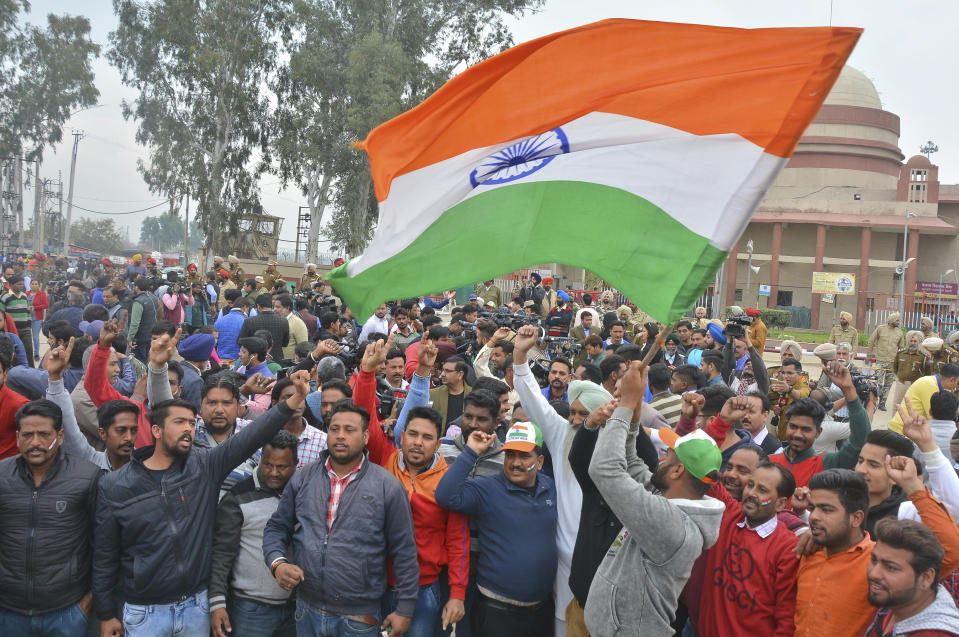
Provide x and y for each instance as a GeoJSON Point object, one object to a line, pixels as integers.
{"type": "Point", "coordinates": [102, 391]}
{"type": "Point", "coordinates": [442, 536]}
{"type": "Point", "coordinates": [750, 586]}
{"type": "Point", "coordinates": [10, 402]}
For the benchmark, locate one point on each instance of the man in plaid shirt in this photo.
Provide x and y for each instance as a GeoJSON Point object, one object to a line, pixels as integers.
{"type": "Point", "coordinates": [344, 517]}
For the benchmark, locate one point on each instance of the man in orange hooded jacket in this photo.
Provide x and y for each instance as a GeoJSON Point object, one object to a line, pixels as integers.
{"type": "Point", "coordinates": [442, 536]}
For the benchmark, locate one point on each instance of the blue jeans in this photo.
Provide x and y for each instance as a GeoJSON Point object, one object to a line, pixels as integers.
{"type": "Point", "coordinates": [141, 352]}
{"type": "Point", "coordinates": [35, 326]}
{"type": "Point", "coordinates": [462, 626]}
{"type": "Point", "coordinates": [251, 619]}
{"type": "Point", "coordinates": [426, 615]}
{"type": "Point", "coordinates": [188, 617]}
{"type": "Point", "coordinates": [312, 622]}
{"type": "Point", "coordinates": [66, 622]}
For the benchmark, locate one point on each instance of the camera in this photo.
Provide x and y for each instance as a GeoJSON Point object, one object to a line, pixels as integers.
{"type": "Point", "coordinates": [867, 385]}
{"type": "Point", "coordinates": [736, 327]}
{"type": "Point", "coordinates": [564, 346]}
{"type": "Point", "coordinates": [347, 354]}
{"type": "Point", "coordinates": [384, 393]}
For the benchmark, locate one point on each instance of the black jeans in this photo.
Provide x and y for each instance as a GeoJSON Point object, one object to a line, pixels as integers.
{"type": "Point", "coordinates": [496, 619]}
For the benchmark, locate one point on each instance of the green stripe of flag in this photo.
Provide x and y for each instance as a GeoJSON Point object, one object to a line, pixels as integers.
{"type": "Point", "coordinates": [634, 245]}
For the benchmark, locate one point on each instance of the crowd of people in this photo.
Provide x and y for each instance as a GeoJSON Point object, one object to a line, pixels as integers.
{"type": "Point", "coordinates": [240, 455]}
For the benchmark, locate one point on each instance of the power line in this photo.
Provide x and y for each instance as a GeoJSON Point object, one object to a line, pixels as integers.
{"type": "Point", "coordinates": [152, 200]}
{"type": "Point", "coordinates": [129, 212]}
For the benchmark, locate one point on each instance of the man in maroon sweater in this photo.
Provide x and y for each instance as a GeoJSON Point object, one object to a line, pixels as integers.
{"type": "Point", "coordinates": [703, 581]}
{"type": "Point", "coordinates": [750, 586]}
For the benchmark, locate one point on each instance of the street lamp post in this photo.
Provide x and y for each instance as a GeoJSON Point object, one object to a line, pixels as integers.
{"type": "Point", "coordinates": [905, 264]}
{"type": "Point", "coordinates": [901, 271]}
{"type": "Point", "coordinates": [939, 304]}
{"type": "Point", "coordinates": [749, 270]}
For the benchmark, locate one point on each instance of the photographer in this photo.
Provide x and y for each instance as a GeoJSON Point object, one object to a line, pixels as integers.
{"type": "Point", "coordinates": [174, 301]}
{"type": "Point", "coordinates": [197, 313]}
{"type": "Point", "coordinates": [755, 363]}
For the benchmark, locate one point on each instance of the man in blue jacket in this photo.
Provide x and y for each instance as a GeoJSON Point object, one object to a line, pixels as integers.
{"type": "Point", "coordinates": [229, 326]}
{"type": "Point", "coordinates": [515, 517]}
{"type": "Point", "coordinates": [344, 516]}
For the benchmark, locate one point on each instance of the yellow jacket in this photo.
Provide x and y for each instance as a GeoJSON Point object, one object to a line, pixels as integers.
{"type": "Point", "coordinates": [919, 395]}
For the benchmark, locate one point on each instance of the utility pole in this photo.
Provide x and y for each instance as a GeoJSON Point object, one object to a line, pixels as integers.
{"type": "Point", "coordinates": [186, 235]}
{"type": "Point", "coordinates": [39, 193]}
{"type": "Point", "coordinates": [19, 208]}
{"type": "Point", "coordinates": [77, 136]}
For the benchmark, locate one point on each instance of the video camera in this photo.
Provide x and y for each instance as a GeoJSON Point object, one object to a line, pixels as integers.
{"type": "Point", "coordinates": [502, 318]}
{"type": "Point", "coordinates": [57, 291]}
{"type": "Point", "coordinates": [736, 327]}
{"type": "Point", "coordinates": [865, 384]}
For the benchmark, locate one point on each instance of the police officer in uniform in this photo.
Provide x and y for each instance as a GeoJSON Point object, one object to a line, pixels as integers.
{"type": "Point", "coordinates": [271, 276]}
{"type": "Point", "coordinates": [236, 272]}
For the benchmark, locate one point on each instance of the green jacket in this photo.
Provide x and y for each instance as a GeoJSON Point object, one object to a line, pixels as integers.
{"type": "Point", "coordinates": [441, 398]}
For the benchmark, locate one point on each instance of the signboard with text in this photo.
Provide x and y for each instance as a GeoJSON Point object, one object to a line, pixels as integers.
{"type": "Point", "coordinates": [833, 283]}
{"type": "Point", "coordinates": [934, 287]}
{"type": "Point", "coordinates": [764, 290]}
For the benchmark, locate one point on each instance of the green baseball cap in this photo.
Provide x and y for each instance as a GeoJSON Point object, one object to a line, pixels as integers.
{"type": "Point", "coordinates": [696, 450]}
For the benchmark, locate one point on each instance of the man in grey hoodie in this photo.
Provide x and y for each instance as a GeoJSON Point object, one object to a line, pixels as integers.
{"type": "Point", "coordinates": [903, 575]}
{"type": "Point", "coordinates": [637, 587]}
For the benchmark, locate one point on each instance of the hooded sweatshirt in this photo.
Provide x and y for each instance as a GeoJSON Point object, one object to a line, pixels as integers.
{"type": "Point", "coordinates": [938, 619]}
{"type": "Point", "coordinates": [637, 587]}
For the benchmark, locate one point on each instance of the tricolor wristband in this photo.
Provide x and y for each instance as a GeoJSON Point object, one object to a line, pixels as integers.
{"type": "Point", "coordinates": [276, 564]}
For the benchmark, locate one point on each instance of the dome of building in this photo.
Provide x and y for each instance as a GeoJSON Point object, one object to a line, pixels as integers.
{"type": "Point", "coordinates": [919, 161]}
{"type": "Point", "coordinates": [853, 88]}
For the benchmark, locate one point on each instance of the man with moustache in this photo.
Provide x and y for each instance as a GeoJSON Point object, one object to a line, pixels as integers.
{"type": "Point", "coordinates": [751, 570]}
{"type": "Point", "coordinates": [903, 576]}
{"type": "Point", "coordinates": [245, 600]}
{"type": "Point", "coordinates": [515, 515]}
{"type": "Point", "coordinates": [47, 499]}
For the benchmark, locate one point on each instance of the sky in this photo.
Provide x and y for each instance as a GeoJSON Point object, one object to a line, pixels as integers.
{"type": "Point", "coordinates": [904, 50]}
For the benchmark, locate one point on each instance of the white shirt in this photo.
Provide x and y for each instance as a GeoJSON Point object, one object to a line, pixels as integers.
{"type": "Point", "coordinates": [373, 325]}
{"type": "Point", "coordinates": [765, 529]}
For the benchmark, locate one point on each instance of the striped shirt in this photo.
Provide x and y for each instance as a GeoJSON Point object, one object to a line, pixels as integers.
{"type": "Point", "coordinates": [337, 486]}
{"type": "Point", "coordinates": [669, 405]}
{"type": "Point", "coordinates": [18, 307]}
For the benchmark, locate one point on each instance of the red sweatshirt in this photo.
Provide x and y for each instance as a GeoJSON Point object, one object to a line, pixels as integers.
{"type": "Point", "coordinates": [442, 536]}
{"type": "Point", "coordinates": [803, 470]}
{"type": "Point", "coordinates": [10, 402]}
{"type": "Point", "coordinates": [102, 391]}
{"type": "Point", "coordinates": [750, 586]}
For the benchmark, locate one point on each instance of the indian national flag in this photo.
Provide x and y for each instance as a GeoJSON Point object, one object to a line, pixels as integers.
{"type": "Point", "coordinates": [637, 150]}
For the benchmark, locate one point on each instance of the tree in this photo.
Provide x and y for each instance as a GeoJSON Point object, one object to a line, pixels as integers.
{"type": "Point", "coordinates": [165, 232]}
{"type": "Point", "coordinates": [45, 75]}
{"type": "Point", "coordinates": [200, 68]}
{"type": "Point", "coordinates": [99, 235]}
{"type": "Point", "coordinates": [352, 65]}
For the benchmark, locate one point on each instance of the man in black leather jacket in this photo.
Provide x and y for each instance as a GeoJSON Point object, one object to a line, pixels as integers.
{"type": "Point", "coordinates": [155, 519]}
{"type": "Point", "coordinates": [47, 502]}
